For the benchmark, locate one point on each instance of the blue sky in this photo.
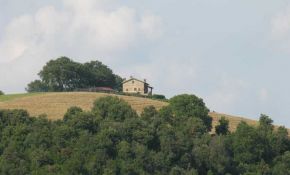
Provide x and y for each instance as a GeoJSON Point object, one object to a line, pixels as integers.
{"type": "Point", "coordinates": [233, 54]}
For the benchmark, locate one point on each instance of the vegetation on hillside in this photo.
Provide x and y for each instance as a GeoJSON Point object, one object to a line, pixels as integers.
{"type": "Point", "coordinates": [222, 127]}
{"type": "Point", "coordinates": [113, 139]}
{"type": "Point", "coordinates": [159, 97]}
{"type": "Point", "coordinates": [55, 105]}
{"type": "Point", "coordinates": [64, 74]}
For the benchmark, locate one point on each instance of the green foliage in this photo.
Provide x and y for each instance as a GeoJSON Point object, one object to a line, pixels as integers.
{"type": "Point", "coordinates": [266, 123]}
{"type": "Point", "coordinates": [282, 164]}
{"type": "Point", "coordinates": [113, 108]}
{"type": "Point", "coordinates": [97, 74]}
{"type": "Point", "coordinates": [222, 127]}
{"type": "Point", "coordinates": [37, 86]}
{"type": "Point", "coordinates": [158, 97]}
{"type": "Point", "coordinates": [245, 144]}
{"type": "Point", "coordinates": [1, 93]}
{"type": "Point", "coordinates": [190, 106]}
{"type": "Point", "coordinates": [72, 112]}
{"type": "Point", "coordinates": [113, 139]}
{"type": "Point", "coordinates": [63, 74]}
{"type": "Point", "coordinates": [118, 83]}
{"type": "Point", "coordinates": [149, 113]}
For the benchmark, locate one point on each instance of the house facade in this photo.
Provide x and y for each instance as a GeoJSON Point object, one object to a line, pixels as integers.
{"type": "Point", "coordinates": [136, 86]}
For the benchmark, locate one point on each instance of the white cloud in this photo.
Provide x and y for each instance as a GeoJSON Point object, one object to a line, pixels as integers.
{"type": "Point", "coordinates": [85, 28]}
{"type": "Point", "coordinates": [88, 23]}
{"type": "Point", "coordinates": [18, 38]}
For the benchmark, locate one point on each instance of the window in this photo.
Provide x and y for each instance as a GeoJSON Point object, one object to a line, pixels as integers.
{"type": "Point", "coordinates": [133, 82]}
{"type": "Point", "coordinates": [127, 90]}
{"type": "Point", "coordinates": [135, 89]}
{"type": "Point", "coordinates": [139, 89]}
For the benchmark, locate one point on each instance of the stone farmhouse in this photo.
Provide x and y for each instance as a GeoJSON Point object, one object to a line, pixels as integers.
{"type": "Point", "coordinates": [136, 86]}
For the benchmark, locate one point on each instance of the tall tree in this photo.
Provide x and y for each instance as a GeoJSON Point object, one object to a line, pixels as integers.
{"type": "Point", "coordinates": [63, 74]}
{"type": "Point", "coordinates": [99, 74]}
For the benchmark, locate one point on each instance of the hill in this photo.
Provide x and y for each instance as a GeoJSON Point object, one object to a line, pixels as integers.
{"type": "Point", "coordinates": [56, 104]}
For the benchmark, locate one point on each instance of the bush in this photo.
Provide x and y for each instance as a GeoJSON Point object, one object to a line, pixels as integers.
{"type": "Point", "coordinates": [159, 97]}
{"type": "Point", "coordinates": [223, 127]}
{"type": "Point", "coordinates": [1, 93]}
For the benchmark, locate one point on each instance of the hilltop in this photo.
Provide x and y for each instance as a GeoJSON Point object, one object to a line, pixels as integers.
{"type": "Point", "coordinates": [54, 105]}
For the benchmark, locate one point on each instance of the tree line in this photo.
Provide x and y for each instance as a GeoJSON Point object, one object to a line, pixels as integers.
{"type": "Point", "coordinates": [64, 74]}
{"type": "Point", "coordinates": [113, 139]}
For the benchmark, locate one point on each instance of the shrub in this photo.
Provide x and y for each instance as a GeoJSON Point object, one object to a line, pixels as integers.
{"type": "Point", "coordinates": [223, 127]}
{"type": "Point", "coordinates": [159, 97]}
{"type": "Point", "coordinates": [1, 93]}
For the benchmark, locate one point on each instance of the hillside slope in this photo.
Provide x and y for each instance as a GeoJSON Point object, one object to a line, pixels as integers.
{"type": "Point", "coordinates": [56, 104]}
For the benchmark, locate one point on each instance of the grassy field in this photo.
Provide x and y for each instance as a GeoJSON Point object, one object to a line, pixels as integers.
{"type": "Point", "coordinates": [233, 120]}
{"type": "Point", "coordinates": [9, 97]}
{"type": "Point", "coordinates": [54, 105]}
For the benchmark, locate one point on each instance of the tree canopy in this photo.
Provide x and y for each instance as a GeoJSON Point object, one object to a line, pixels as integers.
{"type": "Point", "coordinates": [113, 139]}
{"type": "Point", "coordinates": [187, 106]}
{"type": "Point", "coordinates": [64, 74]}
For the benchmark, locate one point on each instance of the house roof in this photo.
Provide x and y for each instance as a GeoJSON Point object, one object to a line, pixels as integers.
{"type": "Point", "coordinates": [136, 80]}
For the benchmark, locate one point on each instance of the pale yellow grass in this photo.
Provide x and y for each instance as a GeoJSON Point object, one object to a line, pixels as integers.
{"type": "Point", "coordinates": [54, 105]}
{"type": "Point", "coordinates": [233, 120]}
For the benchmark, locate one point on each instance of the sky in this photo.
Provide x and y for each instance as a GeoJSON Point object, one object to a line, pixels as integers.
{"type": "Point", "coordinates": [233, 54]}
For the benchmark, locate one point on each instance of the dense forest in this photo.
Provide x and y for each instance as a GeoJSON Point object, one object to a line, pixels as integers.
{"type": "Point", "coordinates": [113, 139]}
{"type": "Point", "coordinates": [64, 74]}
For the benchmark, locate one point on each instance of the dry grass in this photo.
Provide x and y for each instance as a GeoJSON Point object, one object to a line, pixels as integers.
{"type": "Point", "coordinates": [233, 120]}
{"type": "Point", "coordinates": [54, 105]}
